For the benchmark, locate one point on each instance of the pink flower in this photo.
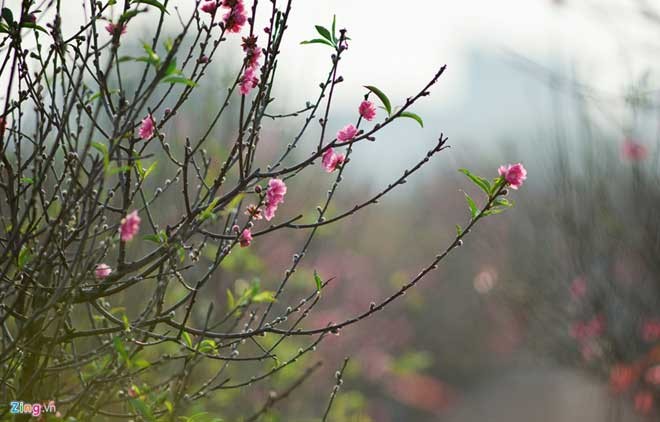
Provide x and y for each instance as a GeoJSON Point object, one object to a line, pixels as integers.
{"type": "Point", "coordinates": [644, 402]}
{"type": "Point", "coordinates": [246, 238]}
{"type": "Point", "coordinates": [235, 18]}
{"type": "Point", "coordinates": [254, 211]}
{"type": "Point", "coordinates": [330, 160]}
{"type": "Point", "coordinates": [115, 28]}
{"type": "Point", "coordinates": [347, 133]}
{"type": "Point", "coordinates": [578, 288]}
{"type": "Point", "coordinates": [274, 196]}
{"type": "Point", "coordinates": [269, 212]}
{"type": "Point", "coordinates": [209, 7]}
{"type": "Point", "coordinates": [633, 151]}
{"type": "Point", "coordinates": [276, 191]}
{"type": "Point", "coordinates": [147, 128]}
{"type": "Point", "coordinates": [367, 110]}
{"type": "Point", "coordinates": [621, 378]}
{"type": "Point", "coordinates": [102, 271]}
{"type": "Point", "coordinates": [514, 174]}
{"type": "Point", "coordinates": [130, 225]}
{"type": "Point", "coordinates": [248, 81]}
{"type": "Point", "coordinates": [652, 375]}
{"type": "Point", "coordinates": [651, 331]}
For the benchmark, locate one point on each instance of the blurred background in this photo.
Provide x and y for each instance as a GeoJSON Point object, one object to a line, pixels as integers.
{"type": "Point", "coordinates": [550, 311]}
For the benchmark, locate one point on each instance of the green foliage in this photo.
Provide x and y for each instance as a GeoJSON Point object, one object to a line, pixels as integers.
{"type": "Point", "coordinates": [382, 97]}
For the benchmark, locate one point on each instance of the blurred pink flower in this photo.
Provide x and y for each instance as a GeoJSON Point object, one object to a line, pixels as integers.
{"type": "Point", "coordinates": [590, 351]}
{"type": "Point", "coordinates": [246, 238]}
{"type": "Point", "coordinates": [147, 128]}
{"type": "Point", "coordinates": [582, 331]}
{"type": "Point", "coordinates": [367, 110]}
{"type": "Point", "coordinates": [102, 271]}
{"type": "Point", "coordinates": [209, 7]}
{"type": "Point", "coordinates": [514, 174]}
{"type": "Point", "coordinates": [651, 331]}
{"type": "Point", "coordinates": [652, 375]}
{"type": "Point", "coordinates": [644, 402]}
{"type": "Point", "coordinates": [331, 161]}
{"type": "Point", "coordinates": [115, 28]}
{"type": "Point", "coordinates": [633, 151]}
{"type": "Point", "coordinates": [622, 377]}
{"type": "Point", "coordinates": [130, 225]}
{"type": "Point", "coordinates": [578, 288]}
{"type": "Point", "coordinates": [347, 133]}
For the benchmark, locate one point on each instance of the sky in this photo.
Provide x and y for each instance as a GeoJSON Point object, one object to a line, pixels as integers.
{"type": "Point", "coordinates": [499, 54]}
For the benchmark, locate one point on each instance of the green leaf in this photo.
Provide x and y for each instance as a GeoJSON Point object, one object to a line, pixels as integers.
{"type": "Point", "coordinates": [208, 211]}
{"type": "Point", "coordinates": [168, 44]}
{"type": "Point", "coordinates": [473, 206]}
{"type": "Point", "coordinates": [27, 180]}
{"type": "Point", "coordinates": [231, 301]}
{"type": "Point", "coordinates": [24, 257]}
{"type": "Point", "coordinates": [493, 211]}
{"type": "Point", "coordinates": [334, 25]}
{"type": "Point", "coordinates": [319, 282]}
{"type": "Point", "coordinates": [207, 346]}
{"type": "Point", "coordinates": [175, 79]}
{"type": "Point", "coordinates": [112, 2]}
{"type": "Point", "coordinates": [412, 116]}
{"type": "Point", "coordinates": [181, 252]}
{"type": "Point", "coordinates": [160, 237]}
{"type": "Point", "coordinates": [170, 407]}
{"type": "Point", "coordinates": [155, 4]}
{"type": "Point", "coordinates": [383, 98]}
{"type": "Point", "coordinates": [323, 32]}
{"type": "Point", "coordinates": [152, 57]}
{"type": "Point", "coordinates": [479, 181]}
{"type": "Point", "coordinates": [116, 170]}
{"type": "Point", "coordinates": [127, 323]}
{"type": "Point", "coordinates": [7, 15]}
{"type": "Point", "coordinates": [32, 25]}
{"type": "Point", "coordinates": [187, 339]}
{"type": "Point", "coordinates": [142, 409]}
{"type": "Point", "coordinates": [142, 363]}
{"type": "Point", "coordinates": [171, 68]}
{"type": "Point", "coordinates": [104, 150]}
{"type": "Point", "coordinates": [318, 41]}
{"type": "Point", "coordinates": [233, 204]}
{"type": "Point", "coordinates": [126, 16]}
{"type": "Point", "coordinates": [265, 296]}
{"type": "Point", "coordinates": [459, 230]}
{"type": "Point", "coordinates": [121, 350]}
{"type": "Point", "coordinates": [149, 169]}
{"type": "Point", "coordinates": [503, 202]}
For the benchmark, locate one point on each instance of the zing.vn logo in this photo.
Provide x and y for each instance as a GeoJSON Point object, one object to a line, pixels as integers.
{"type": "Point", "coordinates": [35, 409]}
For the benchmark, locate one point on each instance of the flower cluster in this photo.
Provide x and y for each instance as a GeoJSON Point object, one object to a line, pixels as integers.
{"type": "Point", "coordinates": [274, 197]}
{"type": "Point", "coordinates": [129, 226]}
{"type": "Point", "coordinates": [234, 19]}
{"type": "Point", "coordinates": [331, 160]}
{"type": "Point", "coordinates": [249, 79]}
